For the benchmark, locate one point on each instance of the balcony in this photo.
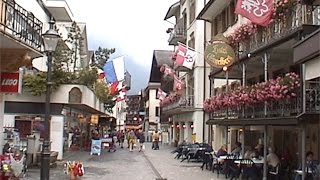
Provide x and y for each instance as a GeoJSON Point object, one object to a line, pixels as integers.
{"type": "Point", "coordinates": [277, 110]}
{"type": "Point", "coordinates": [60, 10]}
{"type": "Point", "coordinates": [183, 104]}
{"type": "Point", "coordinates": [19, 24]}
{"type": "Point", "coordinates": [178, 33]}
{"type": "Point", "coordinates": [297, 22]}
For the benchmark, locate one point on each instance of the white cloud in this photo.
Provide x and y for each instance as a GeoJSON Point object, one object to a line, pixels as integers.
{"type": "Point", "coordinates": [135, 28]}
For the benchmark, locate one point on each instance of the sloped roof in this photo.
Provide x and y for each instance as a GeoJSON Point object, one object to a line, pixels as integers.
{"type": "Point", "coordinates": [159, 58]}
{"type": "Point", "coordinates": [172, 10]}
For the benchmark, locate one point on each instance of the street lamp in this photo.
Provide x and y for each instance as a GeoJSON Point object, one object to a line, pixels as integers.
{"type": "Point", "coordinates": [50, 41]}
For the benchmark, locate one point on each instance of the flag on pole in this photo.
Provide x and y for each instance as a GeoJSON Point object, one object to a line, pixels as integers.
{"type": "Point", "coordinates": [177, 84]}
{"type": "Point", "coordinates": [115, 87]}
{"type": "Point", "coordinates": [258, 12]}
{"type": "Point", "coordinates": [114, 70]}
{"type": "Point", "coordinates": [167, 70]}
{"type": "Point", "coordinates": [185, 56]}
{"type": "Point", "coordinates": [122, 94]}
{"type": "Point", "coordinates": [161, 94]}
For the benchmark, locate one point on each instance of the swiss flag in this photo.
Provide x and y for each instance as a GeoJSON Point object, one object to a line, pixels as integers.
{"type": "Point", "coordinates": [258, 11]}
{"type": "Point", "coordinates": [122, 95]}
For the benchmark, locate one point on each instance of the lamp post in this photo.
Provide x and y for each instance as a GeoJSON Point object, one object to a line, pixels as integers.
{"type": "Point", "coordinates": [50, 41]}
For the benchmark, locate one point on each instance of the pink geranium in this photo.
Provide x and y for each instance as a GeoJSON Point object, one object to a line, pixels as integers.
{"type": "Point", "coordinates": [273, 90]}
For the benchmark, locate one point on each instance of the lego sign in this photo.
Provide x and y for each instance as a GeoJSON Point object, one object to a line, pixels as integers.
{"type": "Point", "coordinates": [10, 82]}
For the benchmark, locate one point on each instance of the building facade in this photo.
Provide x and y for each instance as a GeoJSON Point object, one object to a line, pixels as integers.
{"type": "Point", "coordinates": [267, 58]}
{"type": "Point", "coordinates": [75, 108]}
{"type": "Point", "coordinates": [186, 114]}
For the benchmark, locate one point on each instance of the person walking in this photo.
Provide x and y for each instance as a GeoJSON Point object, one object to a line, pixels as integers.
{"type": "Point", "coordinates": [141, 139]}
{"type": "Point", "coordinates": [132, 140]}
{"type": "Point", "coordinates": [121, 138]}
{"type": "Point", "coordinates": [155, 139]}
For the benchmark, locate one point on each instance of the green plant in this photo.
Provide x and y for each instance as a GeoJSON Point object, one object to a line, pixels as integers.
{"type": "Point", "coordinates": [102, 55]}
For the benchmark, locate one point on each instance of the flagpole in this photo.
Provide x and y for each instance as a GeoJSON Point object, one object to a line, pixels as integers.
{"type": "Point", "coordinates": [190, 48]}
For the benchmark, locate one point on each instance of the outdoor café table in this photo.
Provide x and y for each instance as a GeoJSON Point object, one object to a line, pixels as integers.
{"type": "Point", "coordinates": [256, 161]}
{"type": "Point", "coordinates": [300, 171]}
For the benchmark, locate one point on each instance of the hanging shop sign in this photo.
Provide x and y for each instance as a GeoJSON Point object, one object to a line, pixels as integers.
{"type": "Point", "coordinates": [10, 82]}
{"type": "Point", "coordinates": [219, 54]}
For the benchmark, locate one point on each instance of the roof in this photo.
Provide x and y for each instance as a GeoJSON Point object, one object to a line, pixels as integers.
{"type": "Point", "coordinates": [159, 58]}
{"type": "Point", "coordinates": [172, 10]}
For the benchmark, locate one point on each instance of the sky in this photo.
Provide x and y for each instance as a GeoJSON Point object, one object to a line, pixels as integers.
{"type": "Point", "coordinates": [133, 27]}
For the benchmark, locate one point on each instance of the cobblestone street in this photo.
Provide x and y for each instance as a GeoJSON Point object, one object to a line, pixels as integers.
{"type": "Point", "coordinates": [125, 165]}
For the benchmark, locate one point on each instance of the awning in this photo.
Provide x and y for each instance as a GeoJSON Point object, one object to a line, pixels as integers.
{"type": "Point", "coordinates": [172, 10]}
{"type": "Point", "coordinates": [212, 9]}
{"type": "Point", "coordinates": [279, 121]}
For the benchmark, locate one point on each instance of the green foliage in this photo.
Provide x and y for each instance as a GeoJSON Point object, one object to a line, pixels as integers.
{"type": "Point", "coordinates": [102, 55]}
{"type": "Point", "coordinates": [87, 76]}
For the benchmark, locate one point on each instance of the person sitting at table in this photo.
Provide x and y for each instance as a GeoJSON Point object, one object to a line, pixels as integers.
{"type": "Point", "coordinates": [222, 151]}
{"type": "Point", "coordinates": [237, 149]}
{"type": "Point", "coordinates": [259, 150]}
{"type": "Point", "coordinates": [250, 153]}
{"type": "Point", "coordinates": [311, 166]}
{"type": "Point", "coordinates": [272, 159]}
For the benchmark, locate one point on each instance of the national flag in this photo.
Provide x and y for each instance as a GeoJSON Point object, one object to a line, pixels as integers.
{"type": "Point", "coordinates": [114, 70]}
{"type": "Point", "coordinates": [177, 84]}
{"type": "Point", "coordinates": [259, 12]}
{"type": "Point", "coordinates": [185, 56]}
{"type": "Point", "coordinates": [167, 70]}
{"type": "Point", "coordinates": [115, 87]}
{"type": "Point", "coordinates": [161, 94]}
{"type": "Point", "coordinates": [122, 95]}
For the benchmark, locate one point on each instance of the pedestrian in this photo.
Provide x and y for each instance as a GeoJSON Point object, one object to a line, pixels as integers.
{"type": "Point", "coordinates": [132, 139]}
{"type": "Point", "coordinates": [121, 138]}
{"type": "Point", "coordinates": [141, 139]}
{"type": "Point", "coordinates": [155, 139]}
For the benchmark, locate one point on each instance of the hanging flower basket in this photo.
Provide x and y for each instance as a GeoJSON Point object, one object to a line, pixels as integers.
{"type": "Point", "coordinates": [242, 33]}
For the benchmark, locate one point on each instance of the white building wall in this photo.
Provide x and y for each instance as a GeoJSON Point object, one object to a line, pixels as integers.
{"type": "Point", "coordinates": [56, 135]}
{"type": "Point", "coordinates": [153, 103]}
{"type": "Point", "coordinates": [2, 118]}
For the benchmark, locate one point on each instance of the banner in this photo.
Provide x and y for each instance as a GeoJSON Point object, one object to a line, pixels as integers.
{"type": "Point", "coordinates": [165, 69]}
{"type": "Point", "coordinates": [178, 85]}
{"type": "Point", "coordinates": [185, 56]}
{"type": "Point", "coordinates": [257, 11]}
{"type": "Point", "coordinates": [11, 82]}
{"type": "Point", "coordinates": [161, 94]}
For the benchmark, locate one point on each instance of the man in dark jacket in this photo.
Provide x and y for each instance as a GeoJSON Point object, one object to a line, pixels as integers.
{"type": "Point", "coordinates": [141, 138]}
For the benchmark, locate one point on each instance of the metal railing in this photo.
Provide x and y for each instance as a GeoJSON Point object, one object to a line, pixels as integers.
{"type": "Point", "coordinates": [296, 17]}
{"type": "Point", "coordinates": [20, 23]}
{"type": "Point", "coordinates": [281, 108]}
{"type": "Point", "coordinates": [182, 102]}
{"type": "Point", "coordinates": [179, 32]}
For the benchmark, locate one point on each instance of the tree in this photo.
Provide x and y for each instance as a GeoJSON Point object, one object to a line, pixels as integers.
{"type": "Point", "coordinates": [102, 55]}
{"type": "Point", "coordinates": [76, 39]}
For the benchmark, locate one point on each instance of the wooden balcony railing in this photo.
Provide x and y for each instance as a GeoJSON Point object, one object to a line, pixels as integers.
{"type": "Point", "coordinates": [20, 23]}
{"type": "Point", "coordinates": [182, 102]}
{"type": "Point", "coordinates": [295, 18]}
{"type": "Point", "coordinates": [284, 108]}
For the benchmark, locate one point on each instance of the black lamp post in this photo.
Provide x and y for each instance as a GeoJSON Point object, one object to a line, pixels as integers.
{"type": "Point", "coordinates": [50, 41]}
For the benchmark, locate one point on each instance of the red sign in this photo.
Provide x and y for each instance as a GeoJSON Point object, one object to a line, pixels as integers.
{"type": "Point", "coordinates": [257, 11]}
{"type": "Point", "coordinates": [10, 82]}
